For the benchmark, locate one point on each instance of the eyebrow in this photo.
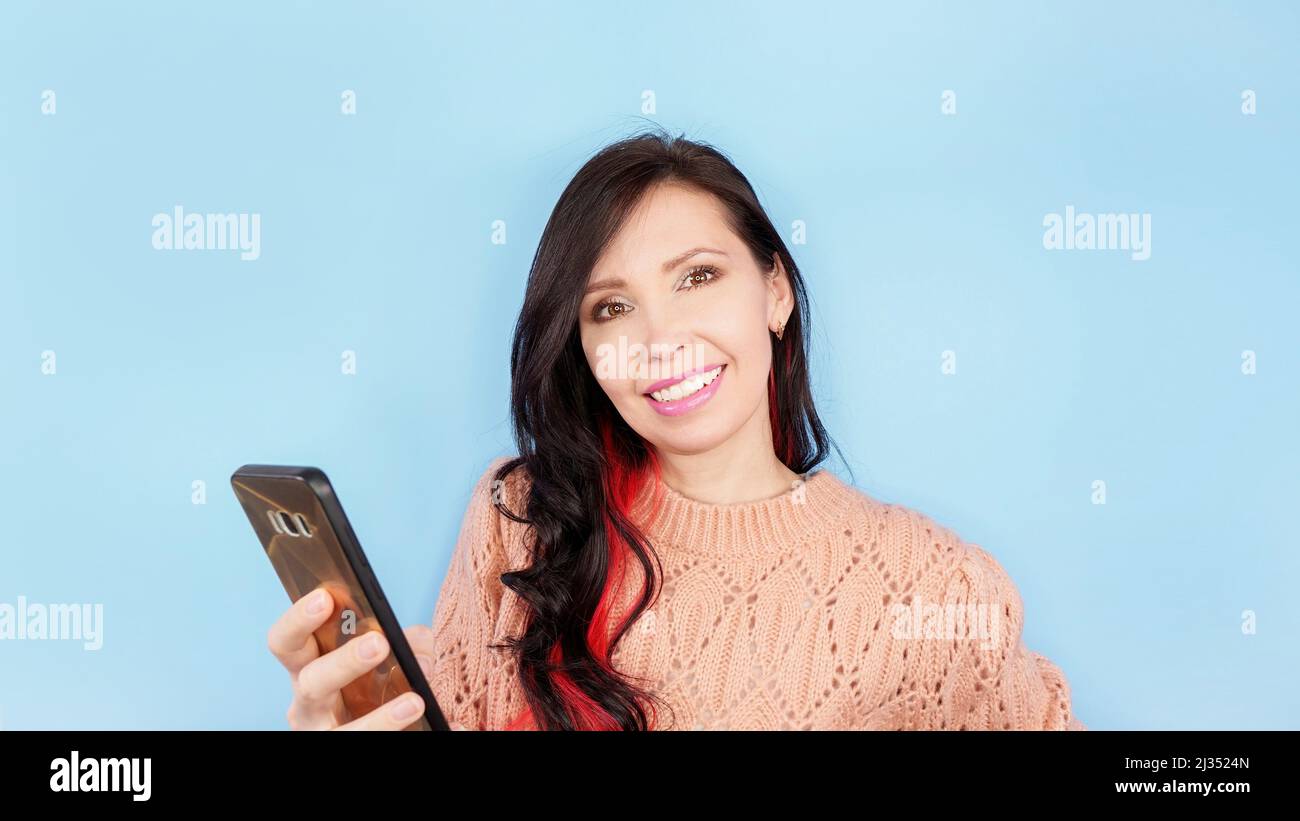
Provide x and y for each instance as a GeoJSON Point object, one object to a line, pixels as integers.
{"type": "Point", "coordinates": [616, 282]}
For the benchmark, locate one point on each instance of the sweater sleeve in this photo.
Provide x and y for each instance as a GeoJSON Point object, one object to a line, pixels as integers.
{"type": "Point", "coordinates": [465, 616]}
{"type": "Point", "coordinates": [984, 677]}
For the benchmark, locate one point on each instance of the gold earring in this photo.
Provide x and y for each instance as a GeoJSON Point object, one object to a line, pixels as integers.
{"type": "Point", "coordinates": [780, 329]}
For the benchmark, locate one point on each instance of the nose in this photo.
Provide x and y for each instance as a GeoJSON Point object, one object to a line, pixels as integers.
{"type": "Point", "coordinates": [666, 337]}
{"type": "Point", "coordinates": [666, 357]}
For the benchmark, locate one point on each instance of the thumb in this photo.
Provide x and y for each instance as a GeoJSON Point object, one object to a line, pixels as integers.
{"type": "Point", "coordinates": [420, 637]}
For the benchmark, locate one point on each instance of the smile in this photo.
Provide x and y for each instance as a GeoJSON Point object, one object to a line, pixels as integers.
{"type": "Point", "coordinates": [686, 394]}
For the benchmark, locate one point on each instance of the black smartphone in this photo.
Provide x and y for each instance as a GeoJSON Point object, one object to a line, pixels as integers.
{"type": "Point", "coordinates": [310, 542]}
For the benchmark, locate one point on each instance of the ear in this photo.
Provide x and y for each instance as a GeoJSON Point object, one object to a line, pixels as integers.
{"type": "Point", "coordinates": [780, 294]}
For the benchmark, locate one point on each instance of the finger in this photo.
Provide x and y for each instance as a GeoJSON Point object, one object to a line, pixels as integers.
{"type": "Point", "coordinates": [290, 639]}
{"type": "Point", "coordinates": [420, 637]}
{"type": "Point", "coordinates": [397, 714]}
{"type": "Point", "coordinates": [305, 717]}
{"type": "Point", "coordinates": [320, 680]}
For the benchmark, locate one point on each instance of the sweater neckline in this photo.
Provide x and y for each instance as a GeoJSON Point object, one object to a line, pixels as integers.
{"type": "Point", "coordinates": [754, 528]}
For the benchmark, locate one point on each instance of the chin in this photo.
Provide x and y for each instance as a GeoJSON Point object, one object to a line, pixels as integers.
{"type": "Point", "coordinates": [689, 445]}
{"type": "Point", "coordinates": [687, 437]}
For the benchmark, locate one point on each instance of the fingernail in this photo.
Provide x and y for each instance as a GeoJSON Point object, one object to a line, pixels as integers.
{"type": "Point", "coordinates": [371, 646]}
{"type": "Point", "coordinates": [316, 602]}
{"type": "Point", "coordinates": [405, 708]}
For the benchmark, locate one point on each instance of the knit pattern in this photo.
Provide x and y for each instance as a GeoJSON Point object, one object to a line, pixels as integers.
{"type": "Point", "coordinates": [819, 609]}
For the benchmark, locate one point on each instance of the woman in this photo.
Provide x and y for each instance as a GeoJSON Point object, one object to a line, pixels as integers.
{"type": "Point", "coordinates": [664, 553]}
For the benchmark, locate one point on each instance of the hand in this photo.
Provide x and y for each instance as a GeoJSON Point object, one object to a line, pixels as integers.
{"type": "Point", "coordinates": [318, 679]}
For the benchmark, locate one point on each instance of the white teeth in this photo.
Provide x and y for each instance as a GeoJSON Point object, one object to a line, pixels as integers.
{"type": "Point", "coordinates": [687, 386]}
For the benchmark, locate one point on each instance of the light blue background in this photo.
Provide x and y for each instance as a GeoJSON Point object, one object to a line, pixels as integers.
{"type": "Point", "coordinates": [924, 235]}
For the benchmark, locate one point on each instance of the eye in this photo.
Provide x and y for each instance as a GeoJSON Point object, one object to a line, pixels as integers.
{"type": "Point", "coordinates": [697, 277]}
{"type": "Point", "coordinates": [615, 307]}
{"type": "Point", "coordinates": [693, 280]}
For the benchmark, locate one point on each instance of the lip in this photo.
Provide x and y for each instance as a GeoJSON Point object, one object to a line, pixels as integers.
{"type": "Point", "coordinates": [691, 402]}
{"type": "Point", "coordinates": [668, 383]}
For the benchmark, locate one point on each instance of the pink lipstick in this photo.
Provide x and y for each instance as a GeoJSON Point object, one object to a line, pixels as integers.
{"type": "Point", "coordinates": [669, 406]}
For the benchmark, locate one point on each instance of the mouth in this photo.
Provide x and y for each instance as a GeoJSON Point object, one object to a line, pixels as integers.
{"type": "Point", "coordinates": [673, 397]}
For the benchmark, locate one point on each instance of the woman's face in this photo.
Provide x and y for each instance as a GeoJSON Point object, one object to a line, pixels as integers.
{"type": "Point", "coordinates": [660, 308]}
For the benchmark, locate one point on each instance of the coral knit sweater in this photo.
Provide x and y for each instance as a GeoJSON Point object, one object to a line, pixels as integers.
{"type": "Point", "coordinates": [821, 608]}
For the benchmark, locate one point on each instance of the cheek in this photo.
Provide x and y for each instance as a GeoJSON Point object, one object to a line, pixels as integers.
{"type": "Point", "coordinates": [755, 368]}
{"type": "Point", "coordinates": [751, 353]}
{"type": "Point", "coordinates": [742, 336]}
{"type": "Point", "coordinates": [737, 316]}
{"type": "Point", "coordinates": [602, 353]}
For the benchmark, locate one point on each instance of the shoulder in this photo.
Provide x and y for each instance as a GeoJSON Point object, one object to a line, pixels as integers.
{"type": "Point", "coordinates": [505, 479]}
{"type": "Point", "coordinates": [504, 485]}
{"type": "Point", "coordinates": [929, 558]}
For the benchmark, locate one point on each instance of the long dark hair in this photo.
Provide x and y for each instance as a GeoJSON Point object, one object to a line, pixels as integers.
{"type": "Point", "coordinates": [584, 463]}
